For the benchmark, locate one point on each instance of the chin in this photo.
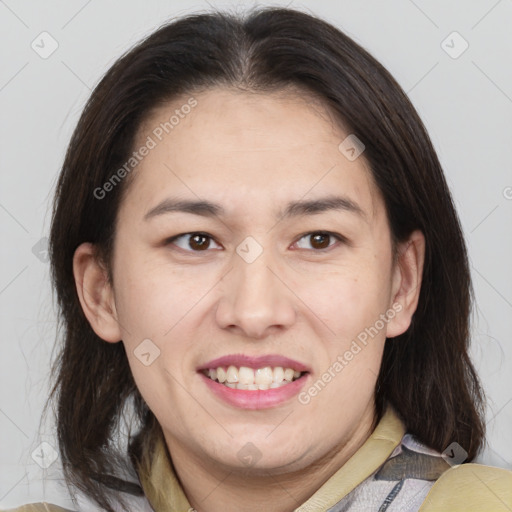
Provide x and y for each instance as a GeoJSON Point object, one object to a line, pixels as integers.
{"type": "Point", "coordinates": [251, 460]}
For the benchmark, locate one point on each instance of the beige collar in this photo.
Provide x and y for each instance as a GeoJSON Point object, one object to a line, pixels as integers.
{"type": "Point", "coordinates": [164, 491]}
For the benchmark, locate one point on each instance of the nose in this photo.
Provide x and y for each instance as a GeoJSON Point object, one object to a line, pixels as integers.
{"type": "Point", "coordinates": [256, 300]}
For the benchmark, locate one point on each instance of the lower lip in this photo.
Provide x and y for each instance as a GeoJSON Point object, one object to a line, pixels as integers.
{"type": "Point", "coordinates": [256, 399]}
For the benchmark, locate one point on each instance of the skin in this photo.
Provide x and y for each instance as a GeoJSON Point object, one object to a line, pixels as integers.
{"type": "Point", "coordinates": [252, 154]}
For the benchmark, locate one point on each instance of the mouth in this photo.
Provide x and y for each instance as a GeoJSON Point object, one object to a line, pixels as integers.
{"type": "Point", "coordinates": [249, 382]}
{"type": "Point", "coordinates": [253, 379]}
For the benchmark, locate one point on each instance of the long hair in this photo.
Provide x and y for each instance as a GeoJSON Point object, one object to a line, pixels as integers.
{"type": "Point", "coordinates": [426, 373]}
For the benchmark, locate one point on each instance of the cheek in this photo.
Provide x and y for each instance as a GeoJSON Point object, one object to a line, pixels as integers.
{"type": "Point", "coordinates": [349, 366]}
{"type": "Point", "coordinates": [349, 301]}
{"type": "Point", "coordinates": [152, 298]}
{"type": "Point", "coordinates": [157, 308]}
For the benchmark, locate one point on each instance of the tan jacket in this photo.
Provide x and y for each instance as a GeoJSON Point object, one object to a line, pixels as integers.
{"type": "Point", "coordinates": [466, 487]}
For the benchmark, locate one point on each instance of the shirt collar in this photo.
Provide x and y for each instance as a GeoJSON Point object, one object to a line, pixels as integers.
{"type": "Point", "coordinates": [164, 492]}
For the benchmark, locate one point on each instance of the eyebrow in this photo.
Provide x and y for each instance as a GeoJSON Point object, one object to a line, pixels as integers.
{"type": "Point", "coordinates": [206, 208]}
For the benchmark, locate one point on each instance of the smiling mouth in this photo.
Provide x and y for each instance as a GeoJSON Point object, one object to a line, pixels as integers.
{"type": "Point", "coordinates": [251, 379]}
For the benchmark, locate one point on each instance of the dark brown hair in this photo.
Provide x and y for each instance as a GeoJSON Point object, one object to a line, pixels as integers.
{"type": "Point", "coordinates": [426, 373]}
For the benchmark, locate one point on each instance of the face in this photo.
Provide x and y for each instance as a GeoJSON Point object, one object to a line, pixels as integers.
{"type": "Point", "coordinates": [249, 247]}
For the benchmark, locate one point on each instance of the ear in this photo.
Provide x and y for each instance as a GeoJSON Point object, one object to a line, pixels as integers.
{"type": "Point", "coordinates": [406, 283]}
{"type": "Point", "coordinates": [95, 293]}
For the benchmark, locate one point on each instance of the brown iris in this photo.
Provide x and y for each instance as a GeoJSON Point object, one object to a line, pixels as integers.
{"type": "Point", "coordinates": [199, 242]}
{"type": "Point", "coordinates": [320, 240]}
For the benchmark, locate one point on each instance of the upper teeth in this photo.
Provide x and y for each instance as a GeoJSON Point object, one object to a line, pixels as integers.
{"type": "Point", "coordinates": [248, 378]}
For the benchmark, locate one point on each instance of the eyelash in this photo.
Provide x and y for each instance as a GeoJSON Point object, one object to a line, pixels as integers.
{"type": "Point", "coordinates": [337, 236]}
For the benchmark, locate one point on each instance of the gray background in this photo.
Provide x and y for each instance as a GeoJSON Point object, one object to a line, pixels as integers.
{"type": "Point", "coordinates": [465, 102]}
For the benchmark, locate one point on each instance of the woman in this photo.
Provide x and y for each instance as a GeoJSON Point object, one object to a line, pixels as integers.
{"type": "Point", "coordinates": [263, 284]}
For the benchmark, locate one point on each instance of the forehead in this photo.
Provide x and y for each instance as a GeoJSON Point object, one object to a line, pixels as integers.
{"type": "Point", "coordinates": [243, 148]}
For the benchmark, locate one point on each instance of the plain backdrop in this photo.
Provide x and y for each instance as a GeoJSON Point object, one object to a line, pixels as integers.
{"type": "Point", "coordinates": [463, 95]}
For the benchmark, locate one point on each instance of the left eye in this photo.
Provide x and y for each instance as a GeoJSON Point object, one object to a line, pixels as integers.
{"type": "Point", "coordinates": [319, 240]}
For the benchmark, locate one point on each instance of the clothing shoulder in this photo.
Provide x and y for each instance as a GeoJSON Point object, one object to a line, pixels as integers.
{"type": "Point", "coordinates": [38, 507]}
{"type": "Point", "coordinates": [471, 487]}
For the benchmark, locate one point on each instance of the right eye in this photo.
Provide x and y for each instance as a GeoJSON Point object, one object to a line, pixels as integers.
{"type": "Point", "coordinates": [192, 242]}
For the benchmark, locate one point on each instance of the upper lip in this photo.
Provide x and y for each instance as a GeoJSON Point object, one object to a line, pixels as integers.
{"type": "Point", "coordinates": [239, 360]}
